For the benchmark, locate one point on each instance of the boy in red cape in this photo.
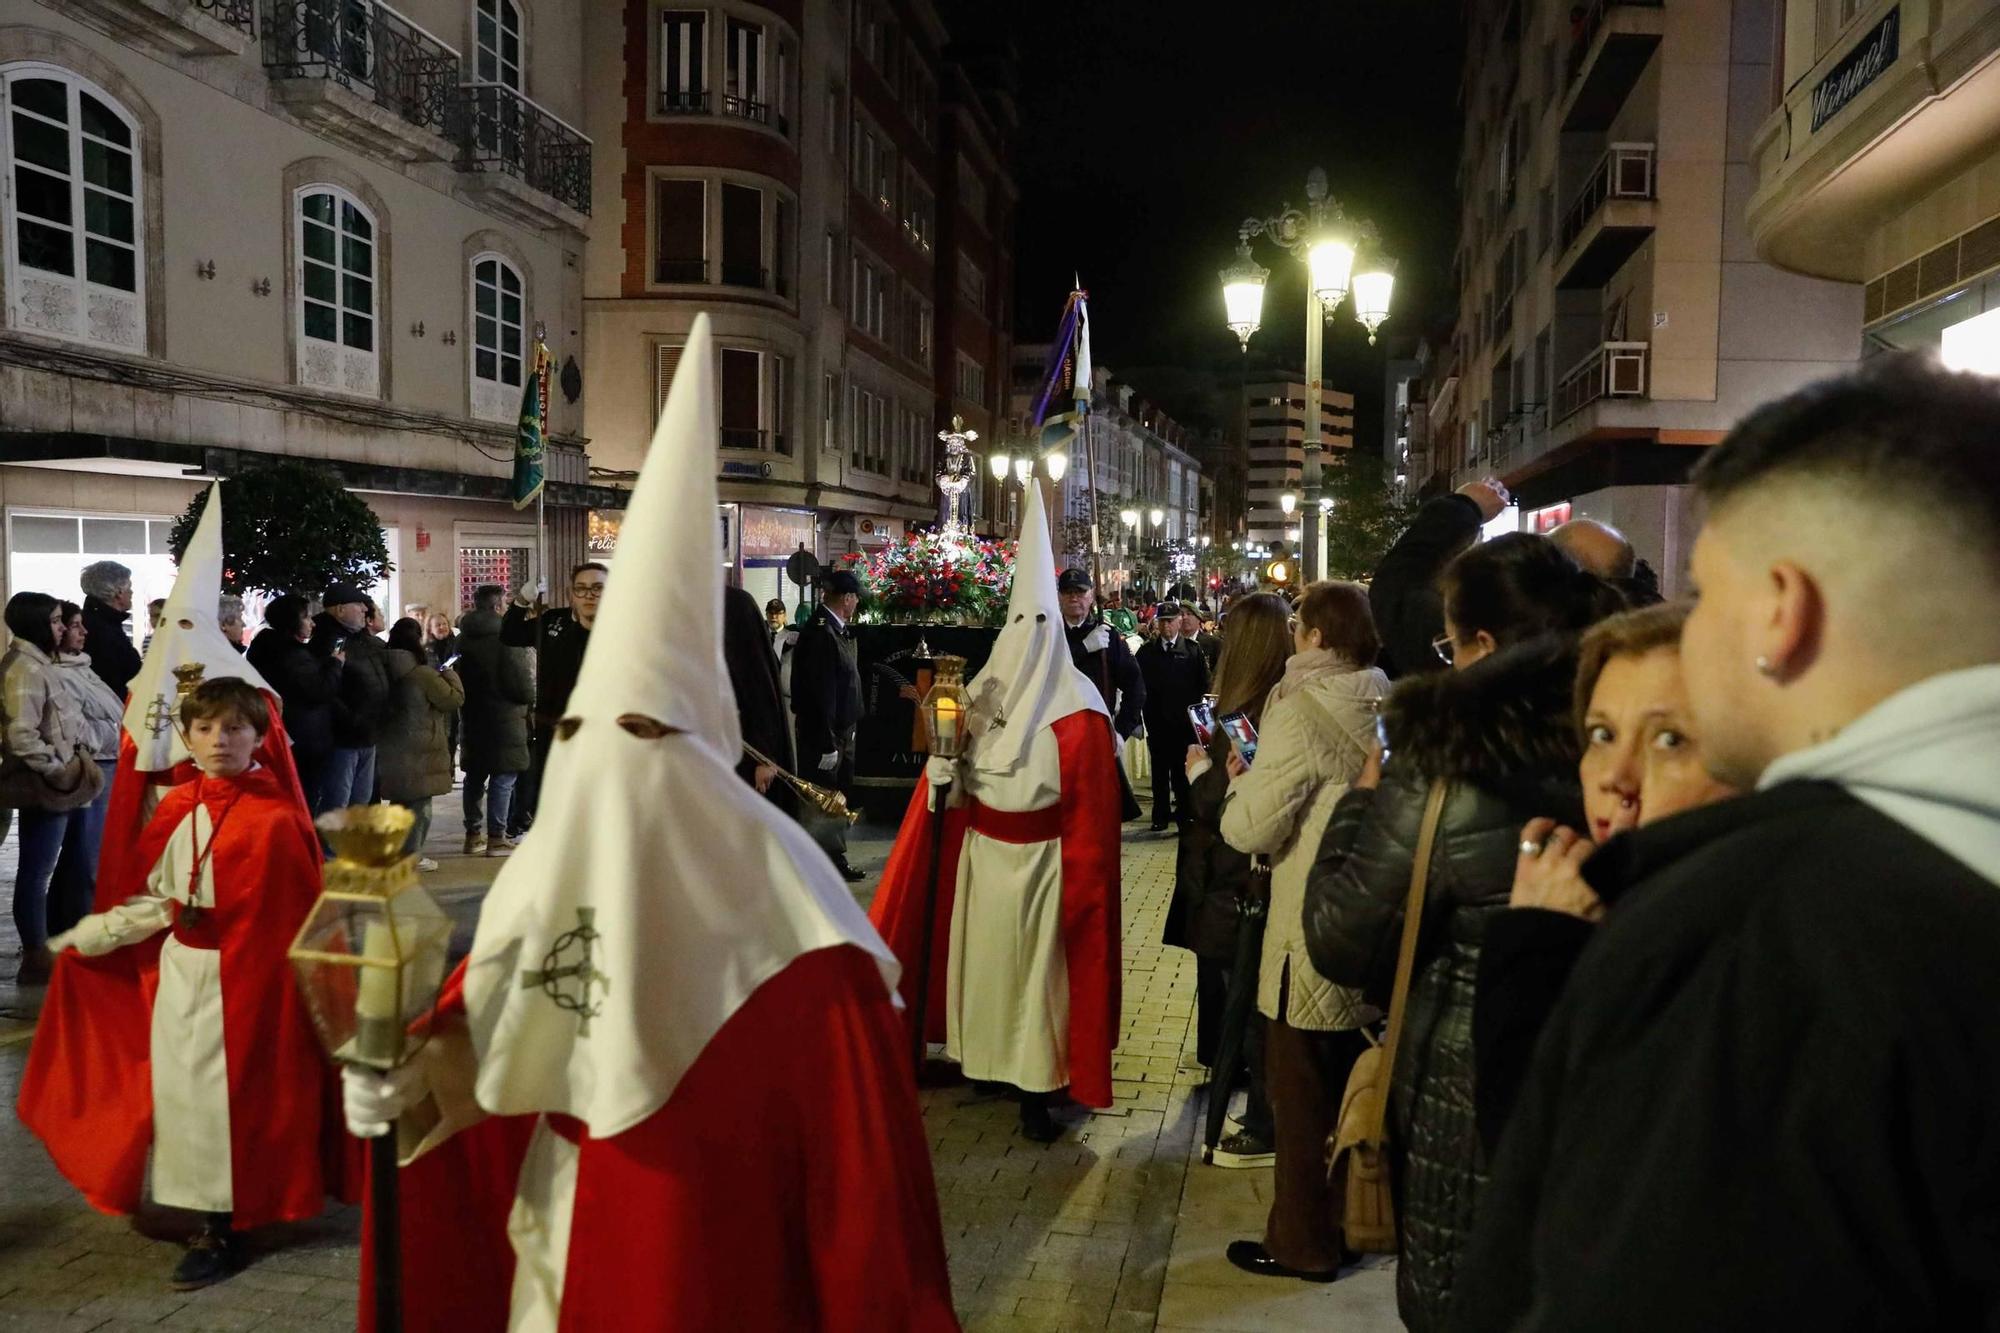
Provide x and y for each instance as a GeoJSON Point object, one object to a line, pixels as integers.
{"type": "Point", "coordinates": [1025, 966]}
{"type": "Point", "coordinates": [237, 1097]}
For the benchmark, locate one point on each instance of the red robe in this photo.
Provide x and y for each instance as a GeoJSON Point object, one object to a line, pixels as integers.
{"type": "Point", "coordinates": [87, 1091]}
{"type": "Point", "coordinates": [786, 1184]}
{"type": "Point", "coordinates": [1090, 911]}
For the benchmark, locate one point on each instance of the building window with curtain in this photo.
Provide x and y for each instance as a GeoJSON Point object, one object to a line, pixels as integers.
{"type": "Point", "coordinates": [683, 61]}
{"type": "Point", "coordinates": [336, 245]}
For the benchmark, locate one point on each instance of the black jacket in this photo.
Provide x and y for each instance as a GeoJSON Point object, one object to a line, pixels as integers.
{"type": "Point", "coordinates": [826, 688]}
{"type": "Point", "coordinates": [1409, 609]}
{"type": "Point", "coordinates": [1176, 677]}
{"type": "Point", "coordinates": [753, 676]}
{"type": "Point", "coordinates": [1524, 964]}
{"type": "Point", "coordinates": [364, 681]}
{"type": "Point", "coordinates": [1769, 1097]}
{"type": "Point", "coordinates": [1501, 734]}
{"type": "Point", "coordinates": [1113, 671]}
{"type": "Point", "coordinates": [558, 639]}
{"type": "Point", "coordinates": [112, 655]}
{"type": "Point", "coordinates": [308, 685]}
{"type": "Point", "coordinates": [499, 689]}
{"type": "Point", "coordinates": [1210, 876]}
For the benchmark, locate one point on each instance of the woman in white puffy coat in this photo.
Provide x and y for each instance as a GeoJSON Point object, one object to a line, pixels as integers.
{"type": "Point", "coordinates": [1318, 734]}
{"type": "Point", "coordinates": [102, 716]}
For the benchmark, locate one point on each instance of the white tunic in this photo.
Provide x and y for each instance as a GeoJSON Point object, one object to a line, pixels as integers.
{"type": "Point", "coordinates": [190, 1071]}
{"type": "Point", "coordinates": [1007, 982]}
{"type": "Point", "coordinates": [538, 1230]}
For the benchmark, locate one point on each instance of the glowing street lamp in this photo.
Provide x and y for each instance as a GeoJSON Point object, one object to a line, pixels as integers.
{"type": "Point", "coordinates": [1056, 463]}
{"type": "Point", "coordinates": [1288, 502]}
{"type": "Point", "coordinates": [1371, 298]}
{"type": "Point", "coordinates": [998, 462]}
{"type": "Point", "coordinates": [1243, 294]}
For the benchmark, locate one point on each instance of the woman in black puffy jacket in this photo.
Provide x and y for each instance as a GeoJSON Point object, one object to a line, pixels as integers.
{"type": "Point", "coordinates": [1499, 732]}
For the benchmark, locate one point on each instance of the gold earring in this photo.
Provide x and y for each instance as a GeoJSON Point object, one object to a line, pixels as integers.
{"type": "Point", "coordinates": [1764, 667]}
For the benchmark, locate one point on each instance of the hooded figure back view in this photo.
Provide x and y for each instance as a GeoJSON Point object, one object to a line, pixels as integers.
{"type": "Point", "coordinates": [667, 1092]}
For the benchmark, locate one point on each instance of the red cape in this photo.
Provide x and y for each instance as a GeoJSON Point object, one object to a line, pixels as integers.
{"type": "Point", "coordinates": [1090, 913]}
{"type": "Point", "coordinates": [786, 1184]}
{"type": "Point", "coordinates": [87, 1091]}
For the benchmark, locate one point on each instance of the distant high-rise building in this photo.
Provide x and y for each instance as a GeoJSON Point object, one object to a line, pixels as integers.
{"type": "Point", "coordinates": [1274, 417]}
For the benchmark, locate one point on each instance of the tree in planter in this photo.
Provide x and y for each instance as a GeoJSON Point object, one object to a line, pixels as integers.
{"type": "Point", "coordinates": [1368, 515]}
{"type": "Point", "coordinates": [291, 527]}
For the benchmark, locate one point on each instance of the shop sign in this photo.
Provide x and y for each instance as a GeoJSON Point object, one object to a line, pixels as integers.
{"type": "Point", "coordinates": [1862, 66]}
{"type": "Point", "coordinates": [1548, 520]}
{"type": "Point", "coordinates": [773, 534]}
{"type": "Point", "coordinates": [601, 537]}
{"type": "Point", "coordinates": [738, 468]}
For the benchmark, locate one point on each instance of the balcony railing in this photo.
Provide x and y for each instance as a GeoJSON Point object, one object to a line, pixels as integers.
{"type": "Point", "coordinates": [1610, 370]}
{"type": "Point", "coordinates": [743, 437]}
{"type": "Point", "coordinates": [504, 131]}
{"type": "Point", "coordinates": [368, 49]}
{"type": "Point", "coordinates": [683, 102]}
{"type": "Point", "coordinates": [1606, 58]}
{"type": "Point", "coordinates": [745, 275]}
{"type": "Point", "coordinates": [238, 14]}
{"type": "Point", "coordinates": [1624, 172]}
{"type": "Point", "coordinates": [680, 270]}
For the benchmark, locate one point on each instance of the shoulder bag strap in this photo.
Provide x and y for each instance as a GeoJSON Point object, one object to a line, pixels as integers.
{"type": "Point", "coordinates": [1413, 917]}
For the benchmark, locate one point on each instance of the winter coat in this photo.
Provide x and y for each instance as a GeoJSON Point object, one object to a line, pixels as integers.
{"type": "Point", "coordinates": [440, 651]}
{"type": "Point", "coordinates": [308, 686]}
{"type": "Point", "coordinates": [1404, 594]}
{"type": "Point", "coordinates": [100, 712]}
{"type": "Point", "coordinates": [1317, 729]}
{"type": "Point", "coordinates": [1176, 677]}
{"type": "Point", "coordinates": [559, 640]}
{"type": "Point", "coordinates": [41, 724]}
{"type": "Point", "coordinates": [826, 688]}
{"type": "Point", "coordinates": [112, 655]}
{"type": "Point", "coordinates": [1211, 878]}
{"type": "Point", "coordinates": [753, 678]}
{"type": "Point", "coordinates": [499, 690]}
{"type": "Point", "coordinates": [1501, 734]}
{"type": "Point", "coordinates": [412, 752]}
{"type": "Point", "coordinates": [364, 682]}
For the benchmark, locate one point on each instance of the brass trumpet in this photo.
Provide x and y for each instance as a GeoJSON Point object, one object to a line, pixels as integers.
{"type": "Point", "coordinates": [825, 799]}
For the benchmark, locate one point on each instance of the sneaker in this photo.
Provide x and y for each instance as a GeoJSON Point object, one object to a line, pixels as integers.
{"type": "Point", "coordinates": [499, 844]}
{"type": "Point", "coordinates": [1242, 1150]}
{"type": "Point", "coordinates": [475, 844]}
{"type": "Point", "coordinates": [210, 1257]}
{"type": "Point", "coordinates": [426, 865]}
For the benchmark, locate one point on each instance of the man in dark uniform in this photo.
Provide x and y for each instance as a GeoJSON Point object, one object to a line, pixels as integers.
{"type": "Point", "coordinates": [1099, 651]}
{"type": "Point", "coordinates": [826, 702]}
{"type": "Point", "coordinates": [558, 635]}
{"type": "Point", "coordinates": [1176, 676]}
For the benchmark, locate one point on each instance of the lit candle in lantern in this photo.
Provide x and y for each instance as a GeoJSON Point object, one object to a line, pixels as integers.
{"type": "Point", "coordinates": [945, 725]}
{"type": "Point", "coordinates": [378, 1036]}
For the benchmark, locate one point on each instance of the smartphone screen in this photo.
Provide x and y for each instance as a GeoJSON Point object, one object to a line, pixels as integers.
{"type": "Point", "coordinates": [1242, 737]}
{"type": "Point", "coordinates": [1203, 717]}
{"type": "Point", "coordinates": [449, 662]}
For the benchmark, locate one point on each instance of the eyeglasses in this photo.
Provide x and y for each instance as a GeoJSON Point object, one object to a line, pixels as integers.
{"type": "Point", "coordinates": [1443, 647]}
{"type": "Point", "coordinates": [586, 590]}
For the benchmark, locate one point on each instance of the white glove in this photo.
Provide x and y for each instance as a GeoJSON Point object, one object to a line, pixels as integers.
{"type": "Point", "coordinates": [829, 761]}
{"type": "Point", "coordinates": [1098, 639]}
{"type": "Point", "coordinates": [372, 1101]}
{"type": "Point", "coordinates": [66, 940]}
{"type": "Point", "coordinates": [940, 771]}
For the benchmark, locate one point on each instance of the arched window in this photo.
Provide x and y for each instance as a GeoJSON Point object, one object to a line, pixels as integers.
{"type": "Point", "coordinates": [338, 303]}
{"type": "Point", "coordinates": [497, 29]}
{"type": "Point", "coordinates": [499, 338]}
{"type": "Point", "coordinates": [75, 244]}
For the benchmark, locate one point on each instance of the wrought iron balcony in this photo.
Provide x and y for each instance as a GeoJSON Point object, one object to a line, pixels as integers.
{"type": "Point", "coordinates": [367, 50]}
{"type": "Point", "coordinates": [1611, 42]}
{"type": "Point", "coordinates": [1609, 219]}
{"type": "Point", "coordinates": [177, 27]}
{"type": "Point", "coordinates": [238, 14]}
{"type": "Point", "coordinates": [742, 437]}
{"type": "Point", "coordinates": [1610, 370]}
{"type": "Point", "coordinates": [503, 134]}
{"type": "Point", "coordinates": [683, 102]}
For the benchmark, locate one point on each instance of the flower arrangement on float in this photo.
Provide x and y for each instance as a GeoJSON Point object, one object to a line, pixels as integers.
{"type": "Point", "coordinates": [928, 578]}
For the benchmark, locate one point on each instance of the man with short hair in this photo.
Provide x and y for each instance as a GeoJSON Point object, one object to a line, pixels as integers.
{"type": "Point", "coordinates": [1100, 652]}
{"type": "Point", "coordinates": [558, 635]}
{"type": "Point", "coordinates": [107, 607]}
{"type": "Point", "coordinates": [1176, 676]}
{"type": "Point", "coordinates": [1769, 1096]}
{"type": "Point", "coordinates": [341, 630]}
{"type": "Point", "coordinates": [1598, 547]}
{"type": "Point", "coordinates": [826, 701]}
{"type": "Point", "coordinates": [499, 694]}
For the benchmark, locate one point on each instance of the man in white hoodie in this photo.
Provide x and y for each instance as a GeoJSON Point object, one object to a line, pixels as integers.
{"type": "Point", "coordinates": [1770, 1095]}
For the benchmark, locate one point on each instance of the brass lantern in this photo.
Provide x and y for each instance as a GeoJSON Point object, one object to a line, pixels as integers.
{"type": "Point", "coordinates": [944, 707]}
{"type": "Point", "coordinates": [371, 956]}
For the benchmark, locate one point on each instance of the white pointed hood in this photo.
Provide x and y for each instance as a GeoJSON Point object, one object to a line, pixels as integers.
{"type": "Point", "coordinates": [657, 890]}
{"type": "Point", "coordinates": [188, 632]}
{"type": "Point", "coordinates": [1029, 681]}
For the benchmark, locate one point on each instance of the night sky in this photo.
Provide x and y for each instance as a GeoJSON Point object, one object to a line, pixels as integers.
{"type": "Point", "coordinates": [1150, 131]}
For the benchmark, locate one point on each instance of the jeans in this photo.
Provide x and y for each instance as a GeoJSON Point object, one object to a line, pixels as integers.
{"type": "Point", "coordinates": [420, 831]}
{"type": "Point", "coordinates": [348, 779]}
{"type": "Point", "coordinates": [528, 791]}
{"type": "Point", "coordinates": [42, 834]}
{"type": "Point", "coordinates": [503, 798]}
{"type": "Point", "coordinates": [75, 884]}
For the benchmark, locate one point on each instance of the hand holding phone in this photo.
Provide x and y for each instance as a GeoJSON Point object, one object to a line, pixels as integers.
{"type": "Point", "coordinates": [1242, 735]}
{"type": "Point", "coordinates": [1202, 715]}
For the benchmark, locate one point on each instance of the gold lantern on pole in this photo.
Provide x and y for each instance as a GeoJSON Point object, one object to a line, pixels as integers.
{"type": "Point", "coordinates": [944, 707]}
{"type": "Point", "coordinates": [944, 711]}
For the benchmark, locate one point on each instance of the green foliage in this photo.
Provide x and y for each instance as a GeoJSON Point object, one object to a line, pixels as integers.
{"type": "Point", "coordinates": [1367, 515]}
{"type": "Point", "coordinates": [292, 527]}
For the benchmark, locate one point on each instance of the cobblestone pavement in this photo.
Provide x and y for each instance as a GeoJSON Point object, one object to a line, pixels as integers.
{"type": "Point", "coordinates": [1115, 1227]}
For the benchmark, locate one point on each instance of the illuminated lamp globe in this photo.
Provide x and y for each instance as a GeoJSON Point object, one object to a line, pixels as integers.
{"type": "Point", "coordinates": [1371, 298]}
{"type": "Point", "coordinates": [1331, 262]}
{"type": "Point", "coordinates": [1288, 502]}
{"type": "Point", "coordinates": [1156, 517]}
{"type": "Point", "coordinates": [1243, 295]}
{"type": "Point", "coordinates": [1024, 467]}
{"type": "Point", "coordinates": [1129, 517]}
{"type": "Point", "coordinates": [998, 462]}
{"type": "Point", "coordinates": [1057, 463]}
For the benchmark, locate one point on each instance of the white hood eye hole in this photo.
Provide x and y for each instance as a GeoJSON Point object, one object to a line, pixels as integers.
{"type": "Point", "coordinates": [568, 727]}
{"type": "Point", "coordinates": [1040, 618]}
{"type": "Point", "coordinates": [645, 728]}
{"type": "Point", "coordinates": [1021, 617]}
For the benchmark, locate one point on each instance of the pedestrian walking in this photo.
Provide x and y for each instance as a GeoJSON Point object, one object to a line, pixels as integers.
{"type": "Point", "coordinates": [413, 760]}
{"type": "Point", "coordinates": [499, 694]}
{"type": "Point", "coordinates": [1404, 594]}
{"type": "Point", "coordinates": [1496, 733]}
{"type": "Point", "coordinates": [341, 629]}
{"type": "Point", "coordinates": [1765, 1097]}
{"type": "Point", "coordinates": [1213, 890]}
{"type": "Point", "coordinates": [558, 636]}
{"type": "Point", "coordinates": [1314, 739]}
{"type": "Point", "coordinates": [826, 702]}
{"type": "Point", "coordinates": [1176, 677]}
{"type": "Point", "coordinates": [101, 715]}
{"type": "Point", "coordinates": [107, 613]}
{"type": "Point", "coordinates": [307, 679]}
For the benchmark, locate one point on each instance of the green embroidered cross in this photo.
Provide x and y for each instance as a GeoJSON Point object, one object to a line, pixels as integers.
{"type": "Point", "coordinates": [159, 716]}
{"type": "Point", "coordinates": [556, 970]}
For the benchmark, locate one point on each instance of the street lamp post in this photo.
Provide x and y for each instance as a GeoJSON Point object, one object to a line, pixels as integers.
{"type": "Point", "coordinates": [1327, 242]}
{"type": "Point", "coordinates": [1054, 465]}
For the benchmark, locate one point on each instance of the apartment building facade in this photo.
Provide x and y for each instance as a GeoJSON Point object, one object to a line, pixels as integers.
{"type": "Point", "coordinates": [795, 169]}
{"type": "Point", "coordinates": [1615, 316]}
{"type": "Point", "coordinates": [1274, 416]}
{"type": "Point", "coordinates": [288, 228]}
{"type": "Point", "coordinates": [1879, 165]}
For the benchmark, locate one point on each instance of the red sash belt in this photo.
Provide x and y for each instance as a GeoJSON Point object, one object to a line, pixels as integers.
{"type": "Point", "coordinates": [1023, 826]}
{"type": "Point", "coordinates": [197, 929]}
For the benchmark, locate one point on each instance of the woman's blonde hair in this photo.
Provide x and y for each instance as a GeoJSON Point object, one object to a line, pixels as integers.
{"type": "Point", "coordinates": [1256, 642]}
{"type": "Point", "coordinates": [1627, 634]}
